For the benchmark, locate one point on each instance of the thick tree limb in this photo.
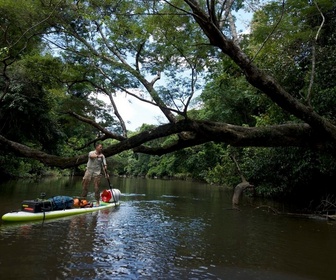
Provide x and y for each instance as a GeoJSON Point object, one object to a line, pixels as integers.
{"type": "Point", "coordinates": [299, 135]}
{"type": "Point", "coordinates": [296, 135]}
{"type": "Point", "coordinates": [259, 79]}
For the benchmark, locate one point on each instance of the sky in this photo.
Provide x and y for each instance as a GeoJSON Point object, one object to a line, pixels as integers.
{"type": "Point", "coordinates": [135, 112]}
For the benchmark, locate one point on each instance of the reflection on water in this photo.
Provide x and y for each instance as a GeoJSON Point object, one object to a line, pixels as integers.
{"type": "Point", "coordinates": [163, 230]}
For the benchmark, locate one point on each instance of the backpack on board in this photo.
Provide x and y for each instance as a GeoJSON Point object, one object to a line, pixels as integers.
{"type": "Point", "coordinates": [61, 202]}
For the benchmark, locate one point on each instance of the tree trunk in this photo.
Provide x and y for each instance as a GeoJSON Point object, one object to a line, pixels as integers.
{"type": "Point", "coordinates": [238, 191]}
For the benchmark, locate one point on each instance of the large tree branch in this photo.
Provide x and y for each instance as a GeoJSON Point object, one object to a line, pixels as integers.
{"type": "Point", "coordinates": [297, 135]}
{"type": "Point", "coordinates": [108, 133]}
{"type": "Point", "coordinates": [300, 135]}
{"type": "Point", "coordinates": [258, 78]}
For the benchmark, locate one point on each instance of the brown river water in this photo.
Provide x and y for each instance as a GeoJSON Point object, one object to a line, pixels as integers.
{"type": "Point", "coordinates": [162, 230]}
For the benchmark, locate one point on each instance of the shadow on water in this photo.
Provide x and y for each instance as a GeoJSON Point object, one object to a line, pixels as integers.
{"type": "Point", "coordinates": [163, 230]}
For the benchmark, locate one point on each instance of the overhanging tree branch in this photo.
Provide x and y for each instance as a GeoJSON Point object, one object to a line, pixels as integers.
{"type": "Point", "coordinates": [299, 135]}
{"type": "Point", "coordinates": [108, 133]}
{"type": "Point", "coordinates": [258, 78]}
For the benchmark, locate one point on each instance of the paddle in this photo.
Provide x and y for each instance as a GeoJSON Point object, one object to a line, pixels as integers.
{"type": "Point", "coordinates": [108, 180]}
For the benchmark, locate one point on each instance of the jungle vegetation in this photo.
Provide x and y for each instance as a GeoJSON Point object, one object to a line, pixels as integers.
{"type": "Point", "coordinates": [266, 97]}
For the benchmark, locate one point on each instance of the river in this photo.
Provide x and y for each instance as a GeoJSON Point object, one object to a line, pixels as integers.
{"type": "Point", "coordinates": [162, 230]}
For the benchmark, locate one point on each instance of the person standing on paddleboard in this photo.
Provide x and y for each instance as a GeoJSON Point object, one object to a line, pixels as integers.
{"type": "Point", "coordinates": [93, 171]}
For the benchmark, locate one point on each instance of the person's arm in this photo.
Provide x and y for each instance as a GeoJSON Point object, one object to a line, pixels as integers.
{"type": "Point", "coordinates": [93, 155]}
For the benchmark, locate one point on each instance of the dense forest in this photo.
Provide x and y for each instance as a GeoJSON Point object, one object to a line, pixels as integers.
{"type": "Point", "coordinates": [258, 103]}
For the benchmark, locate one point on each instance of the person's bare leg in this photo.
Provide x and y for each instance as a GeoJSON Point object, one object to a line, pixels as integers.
{"type": "Point", "coordinates": [85, 184]}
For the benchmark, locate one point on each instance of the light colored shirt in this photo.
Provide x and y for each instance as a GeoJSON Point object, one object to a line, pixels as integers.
{"type": "Point", "coordinates": [95, 164]}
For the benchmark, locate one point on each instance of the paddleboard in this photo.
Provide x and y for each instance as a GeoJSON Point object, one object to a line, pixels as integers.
{"type": "Point", "coordinates": [22, 216]}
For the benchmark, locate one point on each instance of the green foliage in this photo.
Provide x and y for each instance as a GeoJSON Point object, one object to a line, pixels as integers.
{"type": "Point", "coordinates": [28, 110]}
{"type": "Point", "coordinates": [140, 165]}
{"type": "Point", "coordinates": [160, 166]}
{"type": "Point", "coordinates": [22, 26]}
{"type": "Point", "coordinates": [230, 99]}
{"type": "Point", "coordinates": [223, 172]}
{"type": "Point", "coordinates": [203, 163]}
{"type": "Point", "coordinates": [280, 172]}
{"type": "Point", "coordinates": [14, 167]}
{"type": "Point", "coordinates": [287, 53]}
{"type": "Point", "coordinates": [282, 40]}
{"type": "Point", "coordinates": [118, 163]}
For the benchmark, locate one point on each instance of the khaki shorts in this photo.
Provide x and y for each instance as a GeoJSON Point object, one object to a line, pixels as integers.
{"type": "Point", "coordinates": [91, 174]}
